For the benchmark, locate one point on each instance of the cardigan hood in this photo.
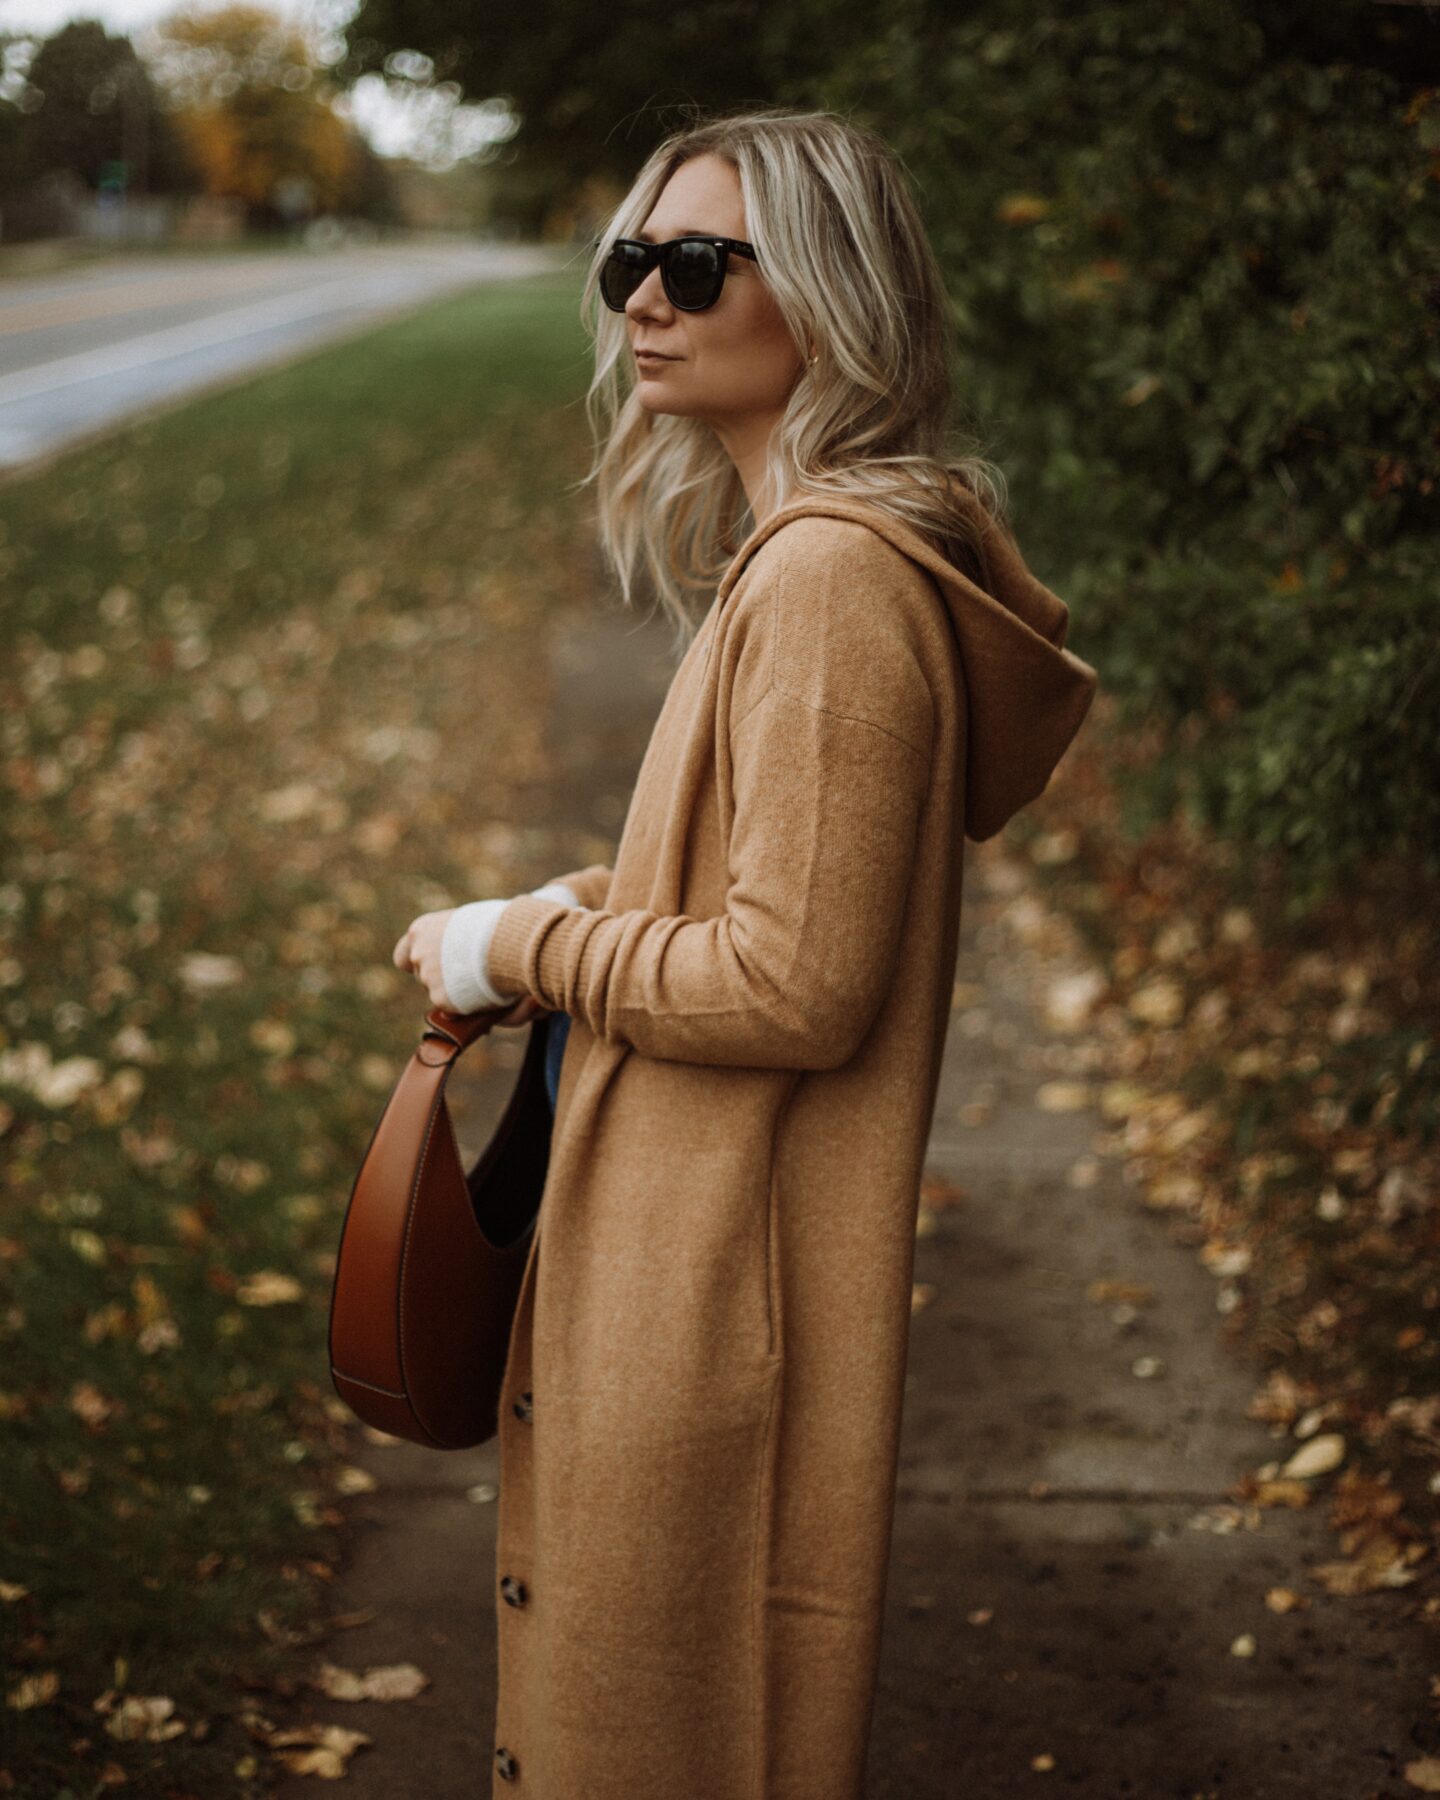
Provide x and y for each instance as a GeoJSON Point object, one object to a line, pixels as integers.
{"type": "Point", "coordinates": [1026, 694]}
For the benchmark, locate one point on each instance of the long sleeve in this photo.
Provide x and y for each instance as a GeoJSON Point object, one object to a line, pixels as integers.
{"type": "Point", "coordinates": [590, 885]}
{"type": "Point", "coordinates": [830, 767]}
{"type": "Point", "coordinates": [465, 944]}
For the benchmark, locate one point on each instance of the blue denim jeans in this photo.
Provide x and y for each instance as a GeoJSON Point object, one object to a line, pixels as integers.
{"type": "Point", "coordinates": [557, 1029]}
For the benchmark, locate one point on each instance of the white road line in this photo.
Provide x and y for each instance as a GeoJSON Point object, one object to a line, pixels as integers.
{"type": "Point", "coordinates": [175, 340]}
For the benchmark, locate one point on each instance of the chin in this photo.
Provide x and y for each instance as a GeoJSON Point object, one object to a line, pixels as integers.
{"type": "Point", "coordinates": [656, 402]}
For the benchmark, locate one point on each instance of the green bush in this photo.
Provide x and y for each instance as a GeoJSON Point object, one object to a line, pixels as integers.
{"type": "Point", "coordinates": [1192, 253]}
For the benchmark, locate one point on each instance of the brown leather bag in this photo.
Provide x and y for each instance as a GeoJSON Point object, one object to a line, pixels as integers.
{"type": "Point", "coordinates": [431, 1258]}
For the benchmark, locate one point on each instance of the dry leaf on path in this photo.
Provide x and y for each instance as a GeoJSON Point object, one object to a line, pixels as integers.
{"type": "Point", "coordinates": [1382, 1563]}
{"type": "Point", "coordinates": [397, 1681]}
{"type": "Point", "coordinates": [1107, 1291]}
{"type": "Point", "coordinates": [1317, 1457]}
{"type": "Point", "coordinates": [1293, 1494]}
{"type": "Point", "coordinates": [1064, 1096]}
{"type": "Point", "coordinates": [322, 1750]}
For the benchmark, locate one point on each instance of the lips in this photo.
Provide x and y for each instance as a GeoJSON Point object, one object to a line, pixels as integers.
{"type": "Point", "coordinates": [655, 355]}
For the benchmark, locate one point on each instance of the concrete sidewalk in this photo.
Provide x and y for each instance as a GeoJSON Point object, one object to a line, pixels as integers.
{"type": "Point", "coordinates": [1068, 1577]}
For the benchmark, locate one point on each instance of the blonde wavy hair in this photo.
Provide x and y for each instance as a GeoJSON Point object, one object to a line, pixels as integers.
{"type": "Point", "coordinates": [840, 241]}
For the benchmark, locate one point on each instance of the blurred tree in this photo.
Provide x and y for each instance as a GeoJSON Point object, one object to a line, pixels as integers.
{"type": "Point", "coordinates": [594, 89]}
{"type": "Point", "coordinates": [89, 100]}
{"type": "Point", "coordinates": [17, 100]}
{"type": "Point", "coordinates": [256, 110]}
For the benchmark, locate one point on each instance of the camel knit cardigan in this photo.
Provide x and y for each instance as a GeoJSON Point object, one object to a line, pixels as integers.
{"type": "Point", "coordinates": [699, 1416]}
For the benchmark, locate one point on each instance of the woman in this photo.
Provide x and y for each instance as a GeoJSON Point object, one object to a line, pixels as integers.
{"type": "Point", "coordinates": [701, 1406]}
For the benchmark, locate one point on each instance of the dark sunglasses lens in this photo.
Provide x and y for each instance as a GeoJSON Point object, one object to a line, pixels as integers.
{"type": "Point", "coordinates": [620, 274]}
{"type": "Point", "coordinates": [693, 271]}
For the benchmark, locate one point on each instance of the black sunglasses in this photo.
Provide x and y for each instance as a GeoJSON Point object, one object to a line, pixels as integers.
{"type": "Point", "coordinates": [692, 269]}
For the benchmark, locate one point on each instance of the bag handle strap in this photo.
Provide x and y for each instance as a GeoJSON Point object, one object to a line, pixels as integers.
{"type": "Point", "coordinates": [447, 1034]}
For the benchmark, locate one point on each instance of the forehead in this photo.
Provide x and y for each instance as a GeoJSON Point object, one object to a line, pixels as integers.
{"type": "Point", "coordinates": [702, 196]}
{"type": "Point", "coordinates": [662, 232]}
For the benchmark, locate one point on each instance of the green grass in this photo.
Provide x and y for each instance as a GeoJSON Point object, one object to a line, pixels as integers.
{"type": "Point", "coordinates": [254, 497]}
{"type": "Point", "coordinates": [273, 691]}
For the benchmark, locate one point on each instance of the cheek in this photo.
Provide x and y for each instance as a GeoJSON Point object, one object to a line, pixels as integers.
{"type": "Point", "coordinates": [755, 350]}
{"type": "Point", "coordinates": [757, 319]}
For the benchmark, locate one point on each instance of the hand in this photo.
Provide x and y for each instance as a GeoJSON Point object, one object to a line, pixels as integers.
{"type": "Point", "coordinates": [418, 949]}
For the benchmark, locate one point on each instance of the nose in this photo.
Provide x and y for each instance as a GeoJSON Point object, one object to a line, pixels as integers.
{"type": "Point", "coordinates": [650, 298]}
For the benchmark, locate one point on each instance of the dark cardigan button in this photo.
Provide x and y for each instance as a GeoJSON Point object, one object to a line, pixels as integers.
{"type": "Point", "coordinates": [524, 1407]}
{"type": "Point", "coordinates": [513, 1590]}
{"type": "Point", "coordinates": [505, 1764]}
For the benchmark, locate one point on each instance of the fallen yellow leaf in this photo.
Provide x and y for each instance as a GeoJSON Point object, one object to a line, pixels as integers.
{"type": "Point", "coordinates": [398, 1681]}
{"type": "Point", "coordinates": [34, 1690]}
{"type": "Point", "coordinates": [1063, 1096]}
{"type": "Point", "coordinates": [268, 1288]}
{"type": "Point", "coordinates": [1317, 1457]}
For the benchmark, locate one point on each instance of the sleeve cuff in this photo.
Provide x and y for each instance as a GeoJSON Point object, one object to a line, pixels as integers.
{"type": "Point", "coordinates": [515, 960]}
{"type": "Point", "coordinates": [465, 949]}
{"type": "Point", "coordinates": [557, 890]}
{"type": "Point", "coordinates": [590, 885]}
{"type": "Point", "coordinates": [463, 953]}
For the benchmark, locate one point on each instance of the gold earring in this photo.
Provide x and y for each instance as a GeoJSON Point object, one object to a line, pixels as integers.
{"type": "Point", "coordinates": [814, 359]}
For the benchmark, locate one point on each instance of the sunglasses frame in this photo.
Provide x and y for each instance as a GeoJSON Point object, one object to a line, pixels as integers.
{"type": "Point", "coordinates": [657, 253]}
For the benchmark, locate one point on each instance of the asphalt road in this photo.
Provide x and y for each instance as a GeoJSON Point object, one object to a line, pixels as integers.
{"type": "Point", "coordinates": [84, 349]}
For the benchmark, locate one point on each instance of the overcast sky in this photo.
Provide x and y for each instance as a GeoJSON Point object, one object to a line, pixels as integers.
{"type": "Point", "coordinates": [397, 120]}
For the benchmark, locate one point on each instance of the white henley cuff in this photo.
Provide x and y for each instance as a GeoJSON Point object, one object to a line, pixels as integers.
{"type": "Point", "coordinates": [465, 947]}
